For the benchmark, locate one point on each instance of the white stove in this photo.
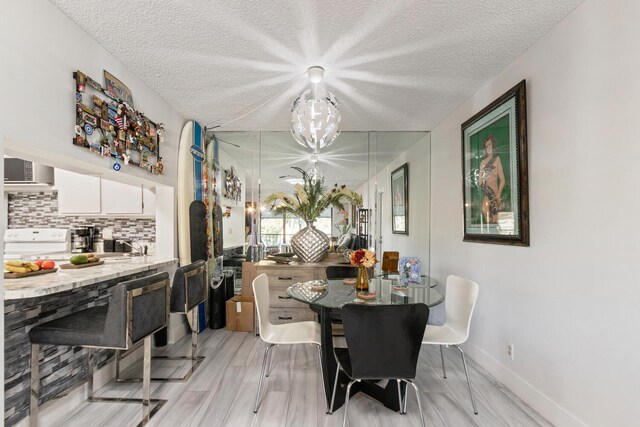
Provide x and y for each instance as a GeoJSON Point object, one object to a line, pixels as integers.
{"type": "Point", "coordinates": [26, 242]}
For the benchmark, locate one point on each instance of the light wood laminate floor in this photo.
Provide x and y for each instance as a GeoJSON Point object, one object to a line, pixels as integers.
{"type": "Point", "coordinates": [222, 392]}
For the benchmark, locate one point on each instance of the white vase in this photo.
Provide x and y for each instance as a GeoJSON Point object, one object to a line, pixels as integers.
{"type": "Point", "coordinates": [310, 244]}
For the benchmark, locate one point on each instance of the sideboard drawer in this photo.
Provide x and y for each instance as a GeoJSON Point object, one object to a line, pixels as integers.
{"type": "Point", "coordinates": [287, 277]}
{"type": "Point", "coordinates": [279, 316]}
{"type": "Point", "coordinates": [278, 297]}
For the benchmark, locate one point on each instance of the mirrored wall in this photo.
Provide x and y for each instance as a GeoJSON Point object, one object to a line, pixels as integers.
{"type": "Point", "coordinates": [362, 161]}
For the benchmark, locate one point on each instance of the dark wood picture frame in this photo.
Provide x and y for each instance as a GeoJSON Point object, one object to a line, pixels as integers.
{"type": "Point", "coordinates": [400, 200]}
{"type": "Point", "coordinates": [495, 188]}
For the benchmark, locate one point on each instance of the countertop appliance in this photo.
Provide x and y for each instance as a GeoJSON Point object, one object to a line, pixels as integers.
{"type": "Point", "coordinates": [25, 172]}
{"type": "Point", "coordinates": [85, 238]}
{"type": "Point", "coordinates": [26, 242]}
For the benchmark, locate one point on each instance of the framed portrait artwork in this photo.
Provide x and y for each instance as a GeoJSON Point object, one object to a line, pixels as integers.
{"type": "Point", "coordinates": [494, 172]}
{"type": "Point", "coordinates": [400, 200]}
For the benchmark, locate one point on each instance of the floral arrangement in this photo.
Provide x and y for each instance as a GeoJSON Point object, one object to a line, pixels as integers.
{"type": "Point", "coordinates": [363, 257]}
{"type": "Point", "coordinates": [311, 198]}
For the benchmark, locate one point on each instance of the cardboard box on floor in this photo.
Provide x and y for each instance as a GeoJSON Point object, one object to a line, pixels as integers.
{"type": "Point", "coordinates": [248, 274]}
{"type": "Point", "coordinates": [240, 311]}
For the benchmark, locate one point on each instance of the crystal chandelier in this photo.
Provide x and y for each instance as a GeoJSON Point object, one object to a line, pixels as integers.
{"type": "Point", "coordinates": [315, 173]}
{"type": "Point", "coordinates": [315, 114]}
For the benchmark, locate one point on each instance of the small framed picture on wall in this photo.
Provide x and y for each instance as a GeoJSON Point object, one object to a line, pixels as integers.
{"type": "Point", "coordinates": [400, 200]}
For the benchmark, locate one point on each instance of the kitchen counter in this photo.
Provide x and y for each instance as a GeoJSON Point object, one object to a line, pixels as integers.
{"type": "Point", "coordinates": [37, 299]}
{"type": "Point", "coordinates": [65, 280]}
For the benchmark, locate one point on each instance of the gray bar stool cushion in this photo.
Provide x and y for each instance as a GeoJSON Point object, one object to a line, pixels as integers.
{"type": "Point", "coordinates": [82, 328]}
{"type": "Point", "coordinates": [106, 326]}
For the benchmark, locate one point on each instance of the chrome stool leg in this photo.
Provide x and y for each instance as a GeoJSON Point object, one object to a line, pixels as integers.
{"type": "Point", "coordinates": [35, 385]}
{"type": "Point", "coordinates": [444, 372]}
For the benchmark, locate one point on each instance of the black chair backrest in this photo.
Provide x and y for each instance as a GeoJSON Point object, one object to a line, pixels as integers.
{"type": "Point", "coordinates": [189, 287]}
{"type": "Point", "coordinates": [384, 340]}
{"type": "Point", "coordinates": [341, 272]}
{"type": "Point", "coordinates": [137, 309]}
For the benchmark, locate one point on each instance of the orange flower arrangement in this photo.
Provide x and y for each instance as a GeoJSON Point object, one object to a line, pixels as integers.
{"type": "Point", "coordinates": [363, 257]}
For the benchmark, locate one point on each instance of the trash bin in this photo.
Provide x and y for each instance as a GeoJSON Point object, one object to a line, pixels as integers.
{"type": "Point", "coordinates": [221, 290]}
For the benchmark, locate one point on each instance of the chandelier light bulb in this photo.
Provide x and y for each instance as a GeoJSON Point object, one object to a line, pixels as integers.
{"type": "Point", "coordinates": [316, 74]}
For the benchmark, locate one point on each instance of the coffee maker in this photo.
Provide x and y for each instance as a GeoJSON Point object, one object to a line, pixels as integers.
{"type": "Point", "coordinates": [84, 239]}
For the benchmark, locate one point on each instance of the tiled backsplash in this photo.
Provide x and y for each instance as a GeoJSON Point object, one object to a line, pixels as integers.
{"type": "Point", "coordinates": [40, 210]}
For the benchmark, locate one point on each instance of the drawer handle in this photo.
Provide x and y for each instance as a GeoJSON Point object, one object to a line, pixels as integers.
{"type": "Point", "coordinates": [281, 297]}
{"type": "Point", "coordinates": [285, 278]}
{"type": "Point", "coordinates": [285, 318]}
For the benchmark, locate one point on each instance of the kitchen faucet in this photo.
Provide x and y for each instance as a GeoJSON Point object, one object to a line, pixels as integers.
{"type": "Point", "coordinates": [140, 251]}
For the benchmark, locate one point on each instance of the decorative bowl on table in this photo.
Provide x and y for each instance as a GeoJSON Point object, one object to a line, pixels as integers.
{"type": "Point", "coordinates": [280, 259]}
{"type": "Point", "coordinates": [284, 254]}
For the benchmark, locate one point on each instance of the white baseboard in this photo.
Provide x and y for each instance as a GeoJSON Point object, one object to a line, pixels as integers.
{"type": "Point", "coordinates": [554, 413]}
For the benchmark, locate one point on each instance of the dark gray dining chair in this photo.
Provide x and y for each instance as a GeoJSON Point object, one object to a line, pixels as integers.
{"type": "Point", "coordinates": [189, 289]}
{"type": "Point", "coordinates": [137, 309]}
{"type": "Point", "coordinates": [383, 344]}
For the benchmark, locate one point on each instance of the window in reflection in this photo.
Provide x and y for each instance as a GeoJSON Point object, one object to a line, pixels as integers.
{"type": "Point", "coordinates": [277, 229]}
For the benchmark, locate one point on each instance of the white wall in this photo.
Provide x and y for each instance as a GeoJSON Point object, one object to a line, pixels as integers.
{"type": "Point", "coordinates": [41, 48]}
{"type": "Point", "coordinates": [569, 303]}
{"type": "Point", "coordinates": [233, 226]}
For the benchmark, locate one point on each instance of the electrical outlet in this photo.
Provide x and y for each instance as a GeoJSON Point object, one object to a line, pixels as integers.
{"type": "Point", "coordinates": [510, 350]}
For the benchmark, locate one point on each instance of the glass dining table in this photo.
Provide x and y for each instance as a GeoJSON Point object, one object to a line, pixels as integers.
{"type": "Point", "coordinates": [327, 297]}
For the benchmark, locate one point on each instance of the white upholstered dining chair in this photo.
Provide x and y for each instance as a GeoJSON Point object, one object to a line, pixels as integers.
{"type": "Point", "coordinates": [460, 300]}
{"type": "Point", "coordinates": [274, 335]}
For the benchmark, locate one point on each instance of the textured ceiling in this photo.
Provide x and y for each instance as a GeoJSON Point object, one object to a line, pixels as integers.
{"type": "Point", "coordinates": [394, 65]}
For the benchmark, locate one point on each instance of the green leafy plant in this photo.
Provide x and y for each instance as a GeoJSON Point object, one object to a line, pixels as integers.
{"type": "Point", "coordinates": [311, 198]}
{"type": "Point", "coordinates": [342, 228]}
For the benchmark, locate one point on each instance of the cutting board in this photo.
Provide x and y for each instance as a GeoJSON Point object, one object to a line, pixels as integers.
{"type": "Point", "coordinates": [73, 266]}
{"type": "Point", "coordinates": [29, 274]}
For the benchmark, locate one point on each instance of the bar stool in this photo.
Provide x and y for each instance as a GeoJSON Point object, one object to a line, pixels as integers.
{"type": "Point", "coordinates": [189, 289]}
{"type": "Point", "coordinates": [138, 309]}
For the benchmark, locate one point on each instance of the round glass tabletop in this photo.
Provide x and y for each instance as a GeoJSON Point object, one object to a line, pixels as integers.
{"type": "Point", "coordinates": [335, 293]}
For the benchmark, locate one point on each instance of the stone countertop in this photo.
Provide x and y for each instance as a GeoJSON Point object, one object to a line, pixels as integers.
{"type": "Point", "coordinates": [64, 280]}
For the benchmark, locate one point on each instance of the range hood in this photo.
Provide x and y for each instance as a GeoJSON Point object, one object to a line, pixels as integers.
{"type": "Point", "coordinates": [25, 175]}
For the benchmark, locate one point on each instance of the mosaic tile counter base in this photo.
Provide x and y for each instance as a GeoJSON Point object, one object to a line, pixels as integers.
{"type": "Point", "coordinates": [61, 367]}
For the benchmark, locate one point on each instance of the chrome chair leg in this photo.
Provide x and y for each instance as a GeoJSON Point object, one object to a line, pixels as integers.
{"type": "Point", "coordinates": [264, 365]}
{"type": "Point", "coordinates": [35, 385]}
{"type": "Point", "coordinates": [90, 358]}
{"type": "Point", "coordinates": [270, 361]}
{"type": "Point", "coordinates": [335, 386]}
{"type": "Point", "coordinates": [444, 372]}
{"type": "Point", "coordinates": [406, 397]}
{"type": "Point", "coordinates": [324, 390]}
{"type": "Point", "coordinates": [400, 398]}
{"type": "Point", "coordinates": [346, 403]}
{"type": "Point", "coordinates": [466, 372]}
{"type": "Point", "coordinates": [415, 387]}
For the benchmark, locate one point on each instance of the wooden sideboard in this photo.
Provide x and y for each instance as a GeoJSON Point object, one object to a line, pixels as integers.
{"type": "Point", "coordinates": [283, 309]}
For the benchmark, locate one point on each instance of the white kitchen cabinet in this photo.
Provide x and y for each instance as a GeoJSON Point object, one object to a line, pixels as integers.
{"type": "Point", "coordinates": [77, 193]}
{"type": "Point", "coordinates": [148, 202]}
{"type": "Point", "coordinates": [119, 198]}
